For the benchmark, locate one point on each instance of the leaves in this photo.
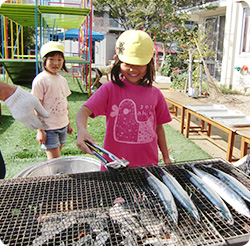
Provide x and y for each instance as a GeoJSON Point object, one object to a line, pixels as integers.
{"type": "Point", "coordinates": [165, 21]}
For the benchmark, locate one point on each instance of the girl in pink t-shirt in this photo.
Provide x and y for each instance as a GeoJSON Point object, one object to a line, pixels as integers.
{"type": "Point", "coordinates": [135, 110]}
{"type": "Point", "coordinates": [52, 90]}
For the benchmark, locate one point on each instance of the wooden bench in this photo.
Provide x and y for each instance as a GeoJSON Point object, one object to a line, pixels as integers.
{"type": "Point", "coordinates": [178, 101]}
{"type": "Point", "coordinates": [245, 140]}
{"type": "Point", "coordinates": [206, 131]}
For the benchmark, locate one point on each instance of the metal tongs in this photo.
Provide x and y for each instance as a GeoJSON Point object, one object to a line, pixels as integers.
{"type": "Point", "coordinates": [116, 163]}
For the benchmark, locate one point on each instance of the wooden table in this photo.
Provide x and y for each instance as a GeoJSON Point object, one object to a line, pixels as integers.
{"type": "Point", "coordinates": [245, 140]}
{"type": "Point", "coordinates": [206, 132]}
{"type": "Point", "coordinates": [178, 101]}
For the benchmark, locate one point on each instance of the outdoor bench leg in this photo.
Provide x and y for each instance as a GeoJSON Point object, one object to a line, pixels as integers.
{"type": "Point", "coordinates": [209, 127]}
{"type": "Point", "coordinates": [230, 146]}
{"type": "Point", "coordinates": [182, 120]}
{"type": "Point", "coordinates": [176, 111]}
{"type": "Point", "coordinates": [244, 146]}
{"type": "Point", "coordinates": [202, 125]}
{"type": "Point", "coordinates": [188, 124]}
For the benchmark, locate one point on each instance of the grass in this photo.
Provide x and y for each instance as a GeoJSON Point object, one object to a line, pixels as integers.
{"type": "Point", "coordinates": [225, 90]}
{"type": "Point", "coordinates": [20, 149]}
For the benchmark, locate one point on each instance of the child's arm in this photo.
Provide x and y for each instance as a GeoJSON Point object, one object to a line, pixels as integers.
{"type": "Point", "coordinates": [70, 128]}
{"type": "Point", "coordinates": [82, 133]}
{"type": "Point", "coordinates": [163, 144]}
{"type": "Point", "coordinates": [41, 135]}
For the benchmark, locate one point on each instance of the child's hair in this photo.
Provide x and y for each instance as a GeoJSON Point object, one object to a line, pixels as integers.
{"type": "Point", "coordinates": [147, 80]}
{"type": "Point", "coordinates": [50, 54]}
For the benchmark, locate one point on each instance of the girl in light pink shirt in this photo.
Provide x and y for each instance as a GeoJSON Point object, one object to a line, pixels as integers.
{"type": "Point", "coordinates": [52, 90]}
{"type": "Point", "coordinates": [135, 110]}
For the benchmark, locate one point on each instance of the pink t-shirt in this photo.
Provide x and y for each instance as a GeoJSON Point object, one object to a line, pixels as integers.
{"type": "Point", "coordinates": [53, 91]}
{"type": "Point", "coordinates": [132, 114]}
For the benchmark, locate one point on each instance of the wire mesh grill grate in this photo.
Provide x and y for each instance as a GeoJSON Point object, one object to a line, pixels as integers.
{"type": "Point", "coordinates": [107, 208]}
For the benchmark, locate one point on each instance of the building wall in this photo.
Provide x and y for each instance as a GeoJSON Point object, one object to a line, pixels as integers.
{"type": "Point", "coordinates": [240, 80]}
{"type": "Point", "coordinates": [233, 57]}
{"type": "Point", "coordinates": [105, 50]}
{"type": "Point", "coordinates": [230, 44]}
{"type": "Point", "coordinates": [71, 47]}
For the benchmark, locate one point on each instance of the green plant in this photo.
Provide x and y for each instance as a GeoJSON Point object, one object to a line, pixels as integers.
{"type": "Point", "coordinates": [171, 63]}
{"type": "Point", "coordinates": [178, 81]}
{"type": "Point", "coordinates": [196, 80]}
{"type": "Point", "coordinates": [225, 90]}
{"type": "Point", "coordinates": [166, 69]}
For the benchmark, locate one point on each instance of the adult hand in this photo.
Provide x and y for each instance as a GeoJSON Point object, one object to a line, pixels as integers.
{"type": "Point", "coordinates": [22, 105]}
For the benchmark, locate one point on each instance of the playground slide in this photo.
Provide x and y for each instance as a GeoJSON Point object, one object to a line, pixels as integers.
{"type": "Point", "coordinates": [21, 72]}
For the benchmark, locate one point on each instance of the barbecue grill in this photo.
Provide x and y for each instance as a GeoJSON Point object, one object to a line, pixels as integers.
{"type": "Point", "coordinates": [112, 208]}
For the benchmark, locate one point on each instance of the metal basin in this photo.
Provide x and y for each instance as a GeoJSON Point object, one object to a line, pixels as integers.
{"type": "Point", "coordinates": [62, 165]}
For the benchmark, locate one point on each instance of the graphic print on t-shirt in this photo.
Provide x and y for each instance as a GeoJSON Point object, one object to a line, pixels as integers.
{"type": "Point", "coordinates": [59, 106]}
{"type": "Point", "coordinates": [127, 127]}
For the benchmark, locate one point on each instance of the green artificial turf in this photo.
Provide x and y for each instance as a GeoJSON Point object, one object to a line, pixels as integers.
{"type": "Point", "coordinates": [20, 149]}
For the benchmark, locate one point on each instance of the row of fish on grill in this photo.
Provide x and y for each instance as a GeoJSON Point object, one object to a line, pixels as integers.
{"type": "Point", "coordinates": [218, 188]}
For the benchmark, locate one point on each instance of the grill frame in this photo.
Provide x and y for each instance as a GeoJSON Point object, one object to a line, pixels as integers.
{"type": "Point", "coordinates": [26, 202]}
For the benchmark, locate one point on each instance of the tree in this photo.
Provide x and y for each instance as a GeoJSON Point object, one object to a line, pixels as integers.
{"type": "Point", "coordinates": [158, 17]}
{"type": "Point", "coordinates": [144, 13]}
{"type": "Point", "coordinates": [213, 90]}
{"type": "Point", "coordinates": [197, 42]}
{"type": "Point", "coordinates": [170, 22]}
{"type": "Point", "coordinates": [163, 19]}
{"type": "Point", "coordinates": [129, 13]}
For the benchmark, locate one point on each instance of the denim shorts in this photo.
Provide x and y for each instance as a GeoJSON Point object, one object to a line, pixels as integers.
{"type": "Point", "coordinates": [55, 138]}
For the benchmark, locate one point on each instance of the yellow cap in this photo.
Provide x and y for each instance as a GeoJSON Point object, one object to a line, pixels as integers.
{"type": "Point", "coordinates": [50, 47]}
{"type": "Point", "coordinates": [135, 47]}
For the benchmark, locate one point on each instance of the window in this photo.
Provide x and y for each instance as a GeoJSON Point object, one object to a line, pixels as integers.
{"type": "Point", "coordinates": [215, 27]}
{"type": "Point", "coordinates": [246, 31]}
